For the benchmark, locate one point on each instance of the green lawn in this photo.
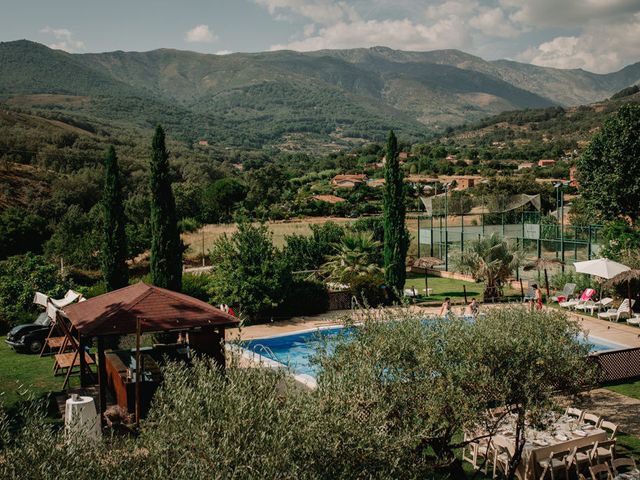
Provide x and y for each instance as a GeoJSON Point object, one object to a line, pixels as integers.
{"type": "Point", "coordinates": [444, 287]}
{"type": "Point", "coordinates": [23, 373]}
{"type": "Point", "coordinates": [630, 389]}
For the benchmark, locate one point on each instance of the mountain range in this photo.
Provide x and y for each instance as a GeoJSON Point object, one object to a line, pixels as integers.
{"type": "Point", "coordinates": [286, 98]}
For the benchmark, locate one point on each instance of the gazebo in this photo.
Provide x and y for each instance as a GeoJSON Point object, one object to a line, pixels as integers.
{"type": "Point", "coordinates": [138, 309]}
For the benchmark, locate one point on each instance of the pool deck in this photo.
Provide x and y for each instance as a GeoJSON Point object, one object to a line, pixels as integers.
{"type": "Point", "coordinates": [619, 333]}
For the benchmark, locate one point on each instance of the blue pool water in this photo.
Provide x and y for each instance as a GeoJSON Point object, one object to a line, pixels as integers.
{"type": "Point", "coordinates": [297, 349]}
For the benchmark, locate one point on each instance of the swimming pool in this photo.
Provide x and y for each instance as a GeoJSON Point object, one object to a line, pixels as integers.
{"type": "Point", "coordinates": [295, 350]}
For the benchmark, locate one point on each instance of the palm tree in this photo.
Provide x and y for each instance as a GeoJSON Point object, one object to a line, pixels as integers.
{"type": "Point", "coordinates": [491, 260]}
{"type": "Point", "coordinates": [356, 255]}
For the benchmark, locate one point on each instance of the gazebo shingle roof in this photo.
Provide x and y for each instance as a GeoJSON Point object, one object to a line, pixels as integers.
{"type": "Point", "coordinates": [159, 309]}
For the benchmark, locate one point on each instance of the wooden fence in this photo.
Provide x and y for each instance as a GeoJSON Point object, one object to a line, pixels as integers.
{"type": "Point", "coordinates": [617, 365]}
{"type": "Point", "coordinates": [340, 300]}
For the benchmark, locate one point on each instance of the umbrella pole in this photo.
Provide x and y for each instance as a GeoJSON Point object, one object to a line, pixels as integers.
{"type": "Point", "coordinates": [629, 296]}
{"type": "Point", "coordinates": [426, 282]}
{"type": "Point", "coordinates": [546, 281]}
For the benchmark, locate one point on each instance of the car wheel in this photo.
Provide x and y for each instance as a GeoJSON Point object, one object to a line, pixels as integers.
{"type": "Point", "coordinates": [35, 346]}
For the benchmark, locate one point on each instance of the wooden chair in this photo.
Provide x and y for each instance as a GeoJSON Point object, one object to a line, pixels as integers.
{"type": "Point", "coordinates": [556, 462]}
{"type": "Point", "coordinates": [501, 460]}
{"type": "Point", "coordinates": [574, 412]}
{"type": "Point", "coordinates": [478, 453]}
{"type": "Point", "coordinates": [620, 465]}
{"type": "Point", "coordinates": [604, 451]}
{"type": "Point", "coordinates": [600, 472]}
{"type": "Point", "coordinates": [579, 458]}
{"type": "Point", "coordinates": [591, 418]}
{"type": "Point", "coordinates": [610, 427]}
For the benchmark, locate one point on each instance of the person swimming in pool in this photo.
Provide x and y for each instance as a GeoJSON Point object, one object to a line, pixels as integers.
{"type": "Point", "coordinates": [445, 309]}
{"type": "Point", "coordinates": [472, 309]}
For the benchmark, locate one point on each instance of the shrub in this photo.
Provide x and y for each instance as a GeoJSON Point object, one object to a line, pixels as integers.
{"type": "Point", "coordinates": [20, 277]}
{"type": "Point", "coordinates": [248, 271]}
{"type": "Point", "coordinates": [188, 225]}
{"type": "Point", "coordinates": [196, 286]}
{"type": "Point", "coordinates": [370, 289]}
{"type": "Point", "coordinates": [558, 281]}
{"type": "Point", "coordinates": [305, 297]}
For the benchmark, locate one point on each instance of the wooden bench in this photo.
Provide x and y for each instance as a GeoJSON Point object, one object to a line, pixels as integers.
{"type": "Point", "coordinates": [56, 345]}
{"type": "Point", "coordinates": [66, 362]}
{"type": "Point", "coordinates": [69, 360]}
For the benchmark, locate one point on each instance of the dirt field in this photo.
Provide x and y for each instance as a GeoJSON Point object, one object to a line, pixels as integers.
{"type": "Point", "coordinates": [280, 229]}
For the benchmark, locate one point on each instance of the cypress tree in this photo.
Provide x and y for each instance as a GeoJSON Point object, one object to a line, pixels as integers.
{"type": "Point", "coordinates": [166, 247]}
{"type": "Point", "coordinates": [114, 240]}
{"type": "Point", "coordinates": [396, 239]}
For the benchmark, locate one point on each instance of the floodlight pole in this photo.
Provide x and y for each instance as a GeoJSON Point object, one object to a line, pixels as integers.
{"type": "Point", "coordinates": [446, 227]}
{"type": "Point", "coordinates": [562, 226]}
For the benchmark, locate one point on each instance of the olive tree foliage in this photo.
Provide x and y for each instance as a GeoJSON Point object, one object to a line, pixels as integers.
{"type": "Point", "coordinates": [534, 357]}
{"type": "Point", "coordinates": [392, 402]}
{"type": "Point", "coordinates": [609, 167]}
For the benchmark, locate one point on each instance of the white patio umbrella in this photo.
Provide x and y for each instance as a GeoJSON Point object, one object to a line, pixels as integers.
{"type": "Point", "coordinates": [601, 267]}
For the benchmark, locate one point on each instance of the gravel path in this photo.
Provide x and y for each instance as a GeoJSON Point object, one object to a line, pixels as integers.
{"type": "Point", "coordinates": [617, 408]}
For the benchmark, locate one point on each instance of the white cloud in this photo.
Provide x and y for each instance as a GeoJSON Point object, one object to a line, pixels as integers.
{"type": "Point", "coordinates": [223, 52]}
{"type": "Point", "coordinates": [64, 40]}
{"type": "Point", "coordinates": [599, 48]}
{"type": "Point", "coordinates": [201, 34]}
{"type": "Point", "coordinates": [597, 35]}
{"type": "Point", "coordinates": [399, 34]}
{"type": "Point", "coordinates": [319, 11]}
{"type": "Point", "coordinates": [450, 7]}
{"type": "Point", "coordinates": [493, 23]}
{"type": "Point", "coordinates": [568, 13]}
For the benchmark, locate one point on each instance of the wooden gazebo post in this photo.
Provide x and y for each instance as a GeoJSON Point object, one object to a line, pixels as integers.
{"type": "Point", "coordinates": [138, 378]}
{"type": "Point", "coordinates": [102, 378]}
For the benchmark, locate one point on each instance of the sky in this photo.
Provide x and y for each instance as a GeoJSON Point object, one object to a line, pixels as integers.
{"type": "Point", "coordinates": [596, 35]}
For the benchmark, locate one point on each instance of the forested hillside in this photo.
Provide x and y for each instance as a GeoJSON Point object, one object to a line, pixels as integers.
{"type": "Point", "coordinates": [292, 100]}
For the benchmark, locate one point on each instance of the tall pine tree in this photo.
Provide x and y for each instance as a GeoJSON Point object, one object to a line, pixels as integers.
{"type": "Point", "coordinates": [114, 240]}
{"type": "Point", "coordinates": [166, 247]}
{"type": "Point", "coordinates": [396, 239]}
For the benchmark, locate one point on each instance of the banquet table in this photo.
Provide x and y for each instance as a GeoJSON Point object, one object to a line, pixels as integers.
{"type": "Point", "coordinates": [634, 475]}
{"type": "Point", "coordinates": [563, 435]}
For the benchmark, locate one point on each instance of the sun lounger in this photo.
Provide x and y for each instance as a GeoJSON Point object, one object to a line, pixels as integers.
{"type": "Point", "coordinates": [614, 315]}
{"type": "Point", "coordinates": [566, 294]}
{"type": "Point", "coordinates": [592, 306]}
{"type": "Point", "coordinates": [531, 295]}
{"type": "Point", "coordinates": [586, 296]}
{"type": "Point", "coordinates": [410, 292]}
{"type": "Point", "coordinates": [634, 321]}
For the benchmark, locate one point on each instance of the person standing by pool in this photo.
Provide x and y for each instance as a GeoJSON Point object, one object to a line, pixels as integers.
{"type": "Point", "coordinates": [537, 297]}
{"type": "Point", "coordinates": [445, 309]}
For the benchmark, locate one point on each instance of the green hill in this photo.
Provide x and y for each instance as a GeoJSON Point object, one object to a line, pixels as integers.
{"type": "Point", "coordinates": [532, 134]}
{"type": "Point", "coordinates": [326, 99]}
